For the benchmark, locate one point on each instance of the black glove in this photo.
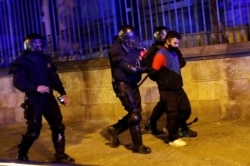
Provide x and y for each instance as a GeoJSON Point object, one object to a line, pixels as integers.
{"type": "Point", "coordinates": [142, 69]}
{"type": "Point", "coordinates": [136, 69]}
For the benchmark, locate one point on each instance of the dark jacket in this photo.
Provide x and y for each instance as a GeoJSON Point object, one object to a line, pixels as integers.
{"type": "Point", "coordinates": [32, 69]}
{"type": "Point", "coordinates": [166, 78]}
{"type": "Point", "coordinates": [124, 63]}
{"type": "Point", "coordinates": [148, 58]}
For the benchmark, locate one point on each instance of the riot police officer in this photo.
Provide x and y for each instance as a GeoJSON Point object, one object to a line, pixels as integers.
{"type": "Point", "coordinates": [36, 76]}
{"type": "Point", "coordinates": [126, 73]}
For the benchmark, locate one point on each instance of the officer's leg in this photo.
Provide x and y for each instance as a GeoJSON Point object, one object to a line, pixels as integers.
{"type": "Point", "coordinates": [157, 112]}
{"type": "Point", "coordinates": [58, 139]}
{"type": "Point", "coordinates": [134, 122]}
{"type": "Point", "coordinates": [33, 132]}
{"type": "Point", "coordinates": [116, 129]}
{"type": "Point", "coordinates": [54, 117]}
{"type": "Point", "coordinates": [122, 124]}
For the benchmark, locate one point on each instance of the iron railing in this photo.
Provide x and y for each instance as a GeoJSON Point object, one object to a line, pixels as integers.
{"type": "Point", "coordinates": [83, 29]}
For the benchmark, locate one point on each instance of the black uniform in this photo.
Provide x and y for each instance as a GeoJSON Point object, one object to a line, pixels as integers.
{"type": "Point", "coordinates": [126, 73]}
{"type": "Point", "coordinates": [31, 69]}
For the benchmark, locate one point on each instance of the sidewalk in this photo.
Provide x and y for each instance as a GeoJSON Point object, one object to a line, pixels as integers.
{"type": "Point", "coordinates": [223, 143]}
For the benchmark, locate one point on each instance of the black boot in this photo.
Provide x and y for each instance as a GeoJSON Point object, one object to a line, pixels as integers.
{"type": "Point", "coordinates": [59, 144]}
{"type": "Point", "coordinates": [22, 157]}
{"type": "Point", "coordinates": [24, 147]}
{"type": "Point", "coordinates": [113, 137]}
{"type": "Point", "coordinates": [137, 146]}
{"type": "Point", "coordinates": [63, 158]}
{"type": "Point", "coordinates": [116, 129]}
{"type": "Point", "coordinates": [142, 149]}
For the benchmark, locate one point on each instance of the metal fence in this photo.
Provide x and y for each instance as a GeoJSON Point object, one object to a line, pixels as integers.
{"type": "Point", "coordinates": [83, 29]}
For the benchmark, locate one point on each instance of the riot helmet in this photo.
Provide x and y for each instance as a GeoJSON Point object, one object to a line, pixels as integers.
{"type": "Point", "coordinates": [160, 34]}
{"type": "Point", "coordinates": [35, 42]}
{"type": "Point", "coordinates": [128, 35]}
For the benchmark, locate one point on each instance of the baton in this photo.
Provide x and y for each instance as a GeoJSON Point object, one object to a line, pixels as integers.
{"type": "Point", "coordinates": [142, 81]}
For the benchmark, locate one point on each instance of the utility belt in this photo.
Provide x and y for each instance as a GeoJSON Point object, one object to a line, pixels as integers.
{"type": "Point", "coordinates": [28, 112]}
{"type": "Point", "coordinates": [118, 87]}
{"type": "Point", "coordinates": [125, 91]}
{"type": "Point", "coordinates": [24, 105]}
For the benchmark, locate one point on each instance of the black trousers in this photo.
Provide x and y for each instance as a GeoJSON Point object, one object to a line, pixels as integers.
{"type": "Point", "coordinates": [43, 105]}
{"type": "Point", "coordinates": [47, 106]}
{"type": "Point", "coordinates": [177, 107]}
{"type": "Point", "coordinates": [130, 98]}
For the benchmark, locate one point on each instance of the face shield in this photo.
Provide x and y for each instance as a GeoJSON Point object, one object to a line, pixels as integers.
{"type": "Point", "coordinates": [129, 36]}
{"type": "Point", "coordinates": [36, 43]}
{"type": "Point", "coordinates": [160, 36]}
{"type": "Point", "coordinates": [132, 42]}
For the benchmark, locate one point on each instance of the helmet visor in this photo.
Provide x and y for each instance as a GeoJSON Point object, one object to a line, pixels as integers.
{"type": "Point", "coordinates": [38, 44]}
{"type": "Point", "coordinates": [35, 45]}
{"type": "Point", "coordinates": [160, 35]}
{"type": "Point", "coordinates": [132, 42]}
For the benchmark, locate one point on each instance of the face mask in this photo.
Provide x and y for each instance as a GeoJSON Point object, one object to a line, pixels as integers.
{"type": "Point", "coordinates": [171, 48]}
{"type": "Point", "coordinates": [173, 44]}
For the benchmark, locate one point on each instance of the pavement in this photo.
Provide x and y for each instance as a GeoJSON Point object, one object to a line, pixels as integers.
{"type": "Point", "coordinates": [223, 143]}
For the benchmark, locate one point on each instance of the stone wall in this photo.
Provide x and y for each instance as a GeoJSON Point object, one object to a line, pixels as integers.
{"type": "Point", "coordinates": [216, 79]}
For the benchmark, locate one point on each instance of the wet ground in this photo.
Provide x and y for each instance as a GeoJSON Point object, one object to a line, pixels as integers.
{"type": "Point", "coordinates": [222, 143]}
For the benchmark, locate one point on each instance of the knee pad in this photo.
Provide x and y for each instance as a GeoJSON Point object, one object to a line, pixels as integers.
{"type": "Point", "coordinates": [134, 118]}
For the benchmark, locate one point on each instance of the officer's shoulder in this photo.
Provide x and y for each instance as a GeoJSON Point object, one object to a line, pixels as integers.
{"type": "Point", "coordinates": [155, 47]}
{"type": "Point", "coordinates": [18, 62]}
{"type": "Point", "coordinates": [22, 57]}
{"type": "Point", "coordinates": [115, 45]}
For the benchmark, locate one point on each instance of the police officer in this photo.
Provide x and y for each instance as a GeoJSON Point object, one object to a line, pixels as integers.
{"type": "Point", "coordinates": [184, 131]}
{"type": "Point", "coordinates": [126, 73]}
{"type": "Point", "coordinates": [36, 76]}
